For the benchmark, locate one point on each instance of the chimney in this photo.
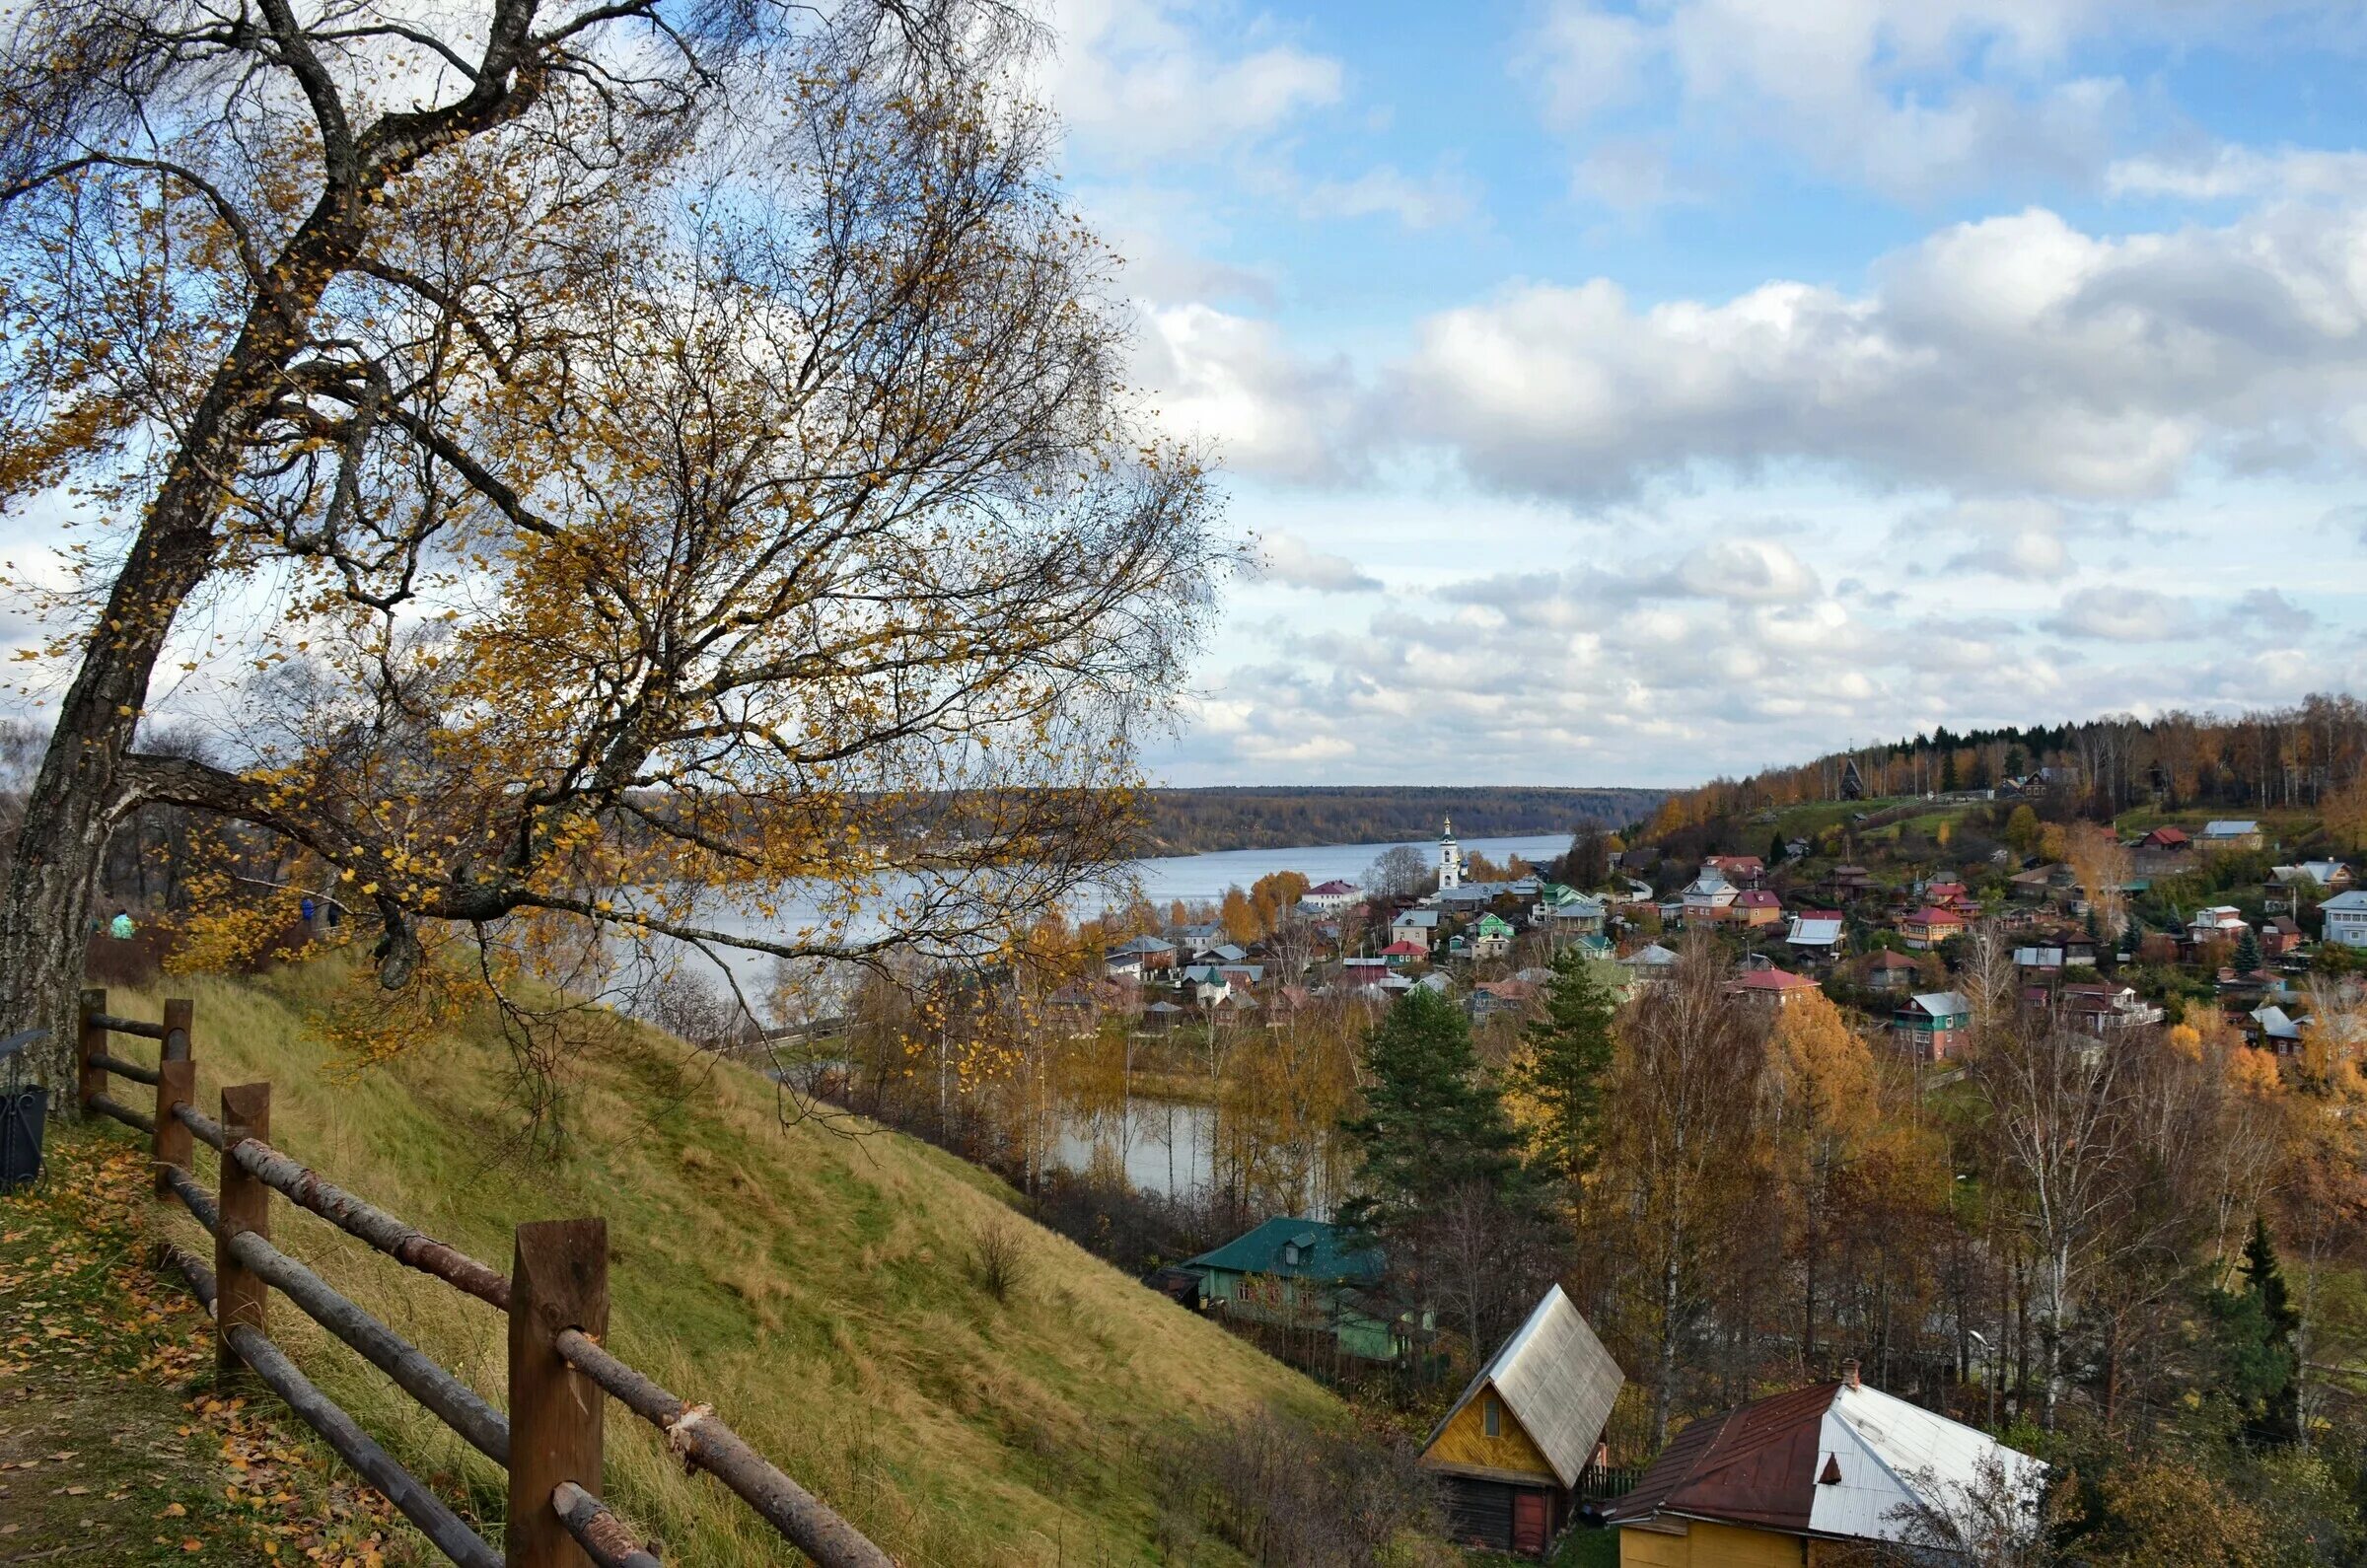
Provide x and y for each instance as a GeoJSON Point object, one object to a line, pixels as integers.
{"type": "Point", "coordinates": [1849, 1374]}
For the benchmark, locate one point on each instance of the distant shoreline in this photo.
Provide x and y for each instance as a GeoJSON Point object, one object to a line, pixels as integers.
{"type": "Point", "coordinates": [1231, 816]}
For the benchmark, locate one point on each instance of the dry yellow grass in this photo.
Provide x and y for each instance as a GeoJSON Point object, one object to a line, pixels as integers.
{"type": "Point", "coordinates": [815, 1284]}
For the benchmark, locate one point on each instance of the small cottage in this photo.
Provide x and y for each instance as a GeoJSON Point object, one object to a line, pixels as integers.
{"type": "Point", "coordinates": [1889, 972]}
{"type": "Point", "coordinates": [1814, 1476]}
{"type": "Point", "coordinates": [1934, 1025]}
{"type": "Point", "coordinates": [1301, 1273]}
{"type": "Point", "coordinates": [1510, 1451]}
{"type": "Point", "coordinates": [1930, 926]}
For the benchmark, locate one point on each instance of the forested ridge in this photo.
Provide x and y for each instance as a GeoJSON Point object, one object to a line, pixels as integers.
{"type": "Point", "coordinates": [1191, 821]}
{"type": "Point", "coordinates": [2305, 756]}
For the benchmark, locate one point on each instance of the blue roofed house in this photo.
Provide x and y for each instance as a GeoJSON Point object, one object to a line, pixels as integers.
{"type": "Point", "coordinates": [1304, 1273]}
{"type": "Point", "coordinates": [2346, 917]}
{"type": "Point", "coordinates": [1415, 925]}
{"type": "Point", "coordinates": [1567, 912]}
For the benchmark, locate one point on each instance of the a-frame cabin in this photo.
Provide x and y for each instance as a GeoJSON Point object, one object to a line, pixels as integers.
{"type": "Point", "coordinates": [1511, 1451]}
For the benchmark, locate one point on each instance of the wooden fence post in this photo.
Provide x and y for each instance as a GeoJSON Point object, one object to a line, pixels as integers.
{"type": "Point", "coordinates": [90, 1043]}
{"type": "Point", "coordinates": [246, 1206]}
{"type": "Point", "coordinates": [175, 1085]}
{"type": "Point", "coordinates": [179, 1015]}
{"type": "Point", "coordinates": [558, 1279]}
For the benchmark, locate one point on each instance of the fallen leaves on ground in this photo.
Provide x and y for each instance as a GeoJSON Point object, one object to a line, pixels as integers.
{"type": "Point", "coordinates": [91, 1336]}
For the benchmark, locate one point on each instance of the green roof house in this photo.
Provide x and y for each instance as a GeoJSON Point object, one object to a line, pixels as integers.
{"type": "Point", "coordinates": [1491, 937]}
{"type": "Point", "coordinates": [1302, 1273]}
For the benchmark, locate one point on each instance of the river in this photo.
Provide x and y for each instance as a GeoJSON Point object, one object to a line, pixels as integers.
{"type": "Point", "coordinates": [1194, 878]}
{"type": "Point", "coordinates": [1205, 878]}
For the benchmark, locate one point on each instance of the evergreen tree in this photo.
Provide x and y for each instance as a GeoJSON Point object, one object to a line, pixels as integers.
{"type": "Point", "coordinates": [2248, 955]}
{"type": "Point", "coordinates": [1775, 849]}
{"type": "Point", "coordinates": [2265, 1282]}
{"type": "Point", "coordinates": [1569, 1061]}
{"type": "Point", "coordinates": [1432, 1125]}
{"type": "Point", "coordinates": [2255, 1325]}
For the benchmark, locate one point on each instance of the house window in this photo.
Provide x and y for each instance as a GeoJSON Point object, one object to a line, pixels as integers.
{"type": "Point", "coordinates": [1491, 1416]}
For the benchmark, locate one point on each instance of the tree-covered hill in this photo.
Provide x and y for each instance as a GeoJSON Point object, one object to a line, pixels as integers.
{"type": "Point", "coordinates": [1197, 820]}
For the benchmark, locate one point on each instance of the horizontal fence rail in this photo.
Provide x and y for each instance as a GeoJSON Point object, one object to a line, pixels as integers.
{"type": "Point", "coordinates": [700, 1437]}
{"type": "Point", "coordinates": [552, 1441]}
{"type": "Point", "coordinates": [423, 1508]}
{"type": "Point", "coordinates": [600, 1534]}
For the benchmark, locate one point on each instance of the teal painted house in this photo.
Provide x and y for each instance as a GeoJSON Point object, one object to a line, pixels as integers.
{"type": "Point", "coordinates": [1301, 1273]}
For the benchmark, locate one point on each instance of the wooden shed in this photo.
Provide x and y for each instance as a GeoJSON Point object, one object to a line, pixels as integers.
{"type": "Point", "coordinates": [1513, 1447]}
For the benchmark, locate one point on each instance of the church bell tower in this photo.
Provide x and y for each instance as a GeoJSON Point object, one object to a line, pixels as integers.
{"type": "Point", "coordinates": [1450, 859]}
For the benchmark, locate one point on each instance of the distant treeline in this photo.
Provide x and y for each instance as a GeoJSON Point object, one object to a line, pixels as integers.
{"type": "Point", "coordinates": [1197, 821]}
{"type": "Point", "coordinates": [2303, 757]}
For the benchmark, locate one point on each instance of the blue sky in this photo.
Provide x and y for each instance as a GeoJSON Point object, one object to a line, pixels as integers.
{"type": "Point", "coordinates": [1628, 393]}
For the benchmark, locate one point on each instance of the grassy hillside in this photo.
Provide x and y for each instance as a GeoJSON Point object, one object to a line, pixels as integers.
{"type": "Point", "coordinates": [817, 1285]}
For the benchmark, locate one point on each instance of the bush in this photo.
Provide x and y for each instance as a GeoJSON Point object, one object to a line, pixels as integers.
{"type": "Point", "coordinates": [998, 1259]}
{"type": "Point", "coordinates": [1286, 1493]}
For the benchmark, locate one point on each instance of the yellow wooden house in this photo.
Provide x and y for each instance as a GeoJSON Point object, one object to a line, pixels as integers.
{"type": "Point", "coordinates": [1510, 1451]}
{"type": "Point", "coordinates": [1809, 1478]}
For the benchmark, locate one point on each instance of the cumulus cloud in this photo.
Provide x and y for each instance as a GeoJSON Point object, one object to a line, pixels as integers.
{"type": "Point", "coordinates": [1760, 571]}
{"type": "Point", "coordinates": [2121, 614]}
{"type": "Point", "coordinates": [2023, 539]}
{"type": "Point", "coordinates": [1909, 96]}
{"type": "Point", "coordinates": [2230, 172]}
{"type": "Point", "coordinates": [1230, 382]}
{"type": "Point", "coordinates": [1289, 561]}
{"type": "Point", "coordinates": [1429, 201]}
{"type": "Point", "coordinates": [1142, 83]}
{"type": "Point", "coordinates": [2015, 353]}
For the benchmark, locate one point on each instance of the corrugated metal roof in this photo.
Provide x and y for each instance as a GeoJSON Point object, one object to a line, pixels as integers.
{"type": "Point", "coordinates": [1761, 1463]}
{"type": "Point", "coordinates": [1557, 1381]}
{"type": "Point", "coordinates": [1755, 1465]}
{"type": "Point", "coordinates": [1300, 1247]}
{"type": "Point", "coordinates": [1897, 1460]}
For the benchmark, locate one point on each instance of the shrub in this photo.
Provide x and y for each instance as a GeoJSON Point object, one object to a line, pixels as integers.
{"type": "Point", "coordinates": [1293, 1495]}
{"type": "Point", "coordinates": [998, 1259]}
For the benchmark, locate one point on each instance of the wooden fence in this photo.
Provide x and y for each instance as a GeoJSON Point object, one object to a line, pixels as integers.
{"type": "Point", "coordinates": [555, 1298]}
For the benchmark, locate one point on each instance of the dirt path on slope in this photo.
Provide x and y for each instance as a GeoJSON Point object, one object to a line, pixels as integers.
{"type": "Point", "coordinates": [114, 1449]}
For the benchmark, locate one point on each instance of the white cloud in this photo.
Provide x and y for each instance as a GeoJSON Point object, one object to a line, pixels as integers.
{"type": "Point", "coordinates": [1140, 82]}
{"type": "Point", "coordinates": [2121, 615]}
{"type": "Point", "coordinates": [2015, 353]}
{"type": "Point", "coordinates": [1758, 571]}
{"type": "Point", "coordinates": [1909, 96]}
{"type": "Point", "coordinates": [1588, 60]}
{"type": "Point", "coordinates": [1431, 202]}
{"type": "Point", "coordinates": [1292, 562]}
{"type": "Point", "coordinates": [1230, 381]}
{"type": "Point", "coordinates": [2230, 172]}
{"type": "Point", "coordinates": [2018, 539]}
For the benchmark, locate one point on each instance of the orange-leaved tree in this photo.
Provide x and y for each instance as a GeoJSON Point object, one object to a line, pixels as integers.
{"type": "Point", "coordinates": [683, 449]}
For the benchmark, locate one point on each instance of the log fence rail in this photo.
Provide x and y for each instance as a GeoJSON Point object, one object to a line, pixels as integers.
{"type": "Point", "coordinates": [555, 1299]}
